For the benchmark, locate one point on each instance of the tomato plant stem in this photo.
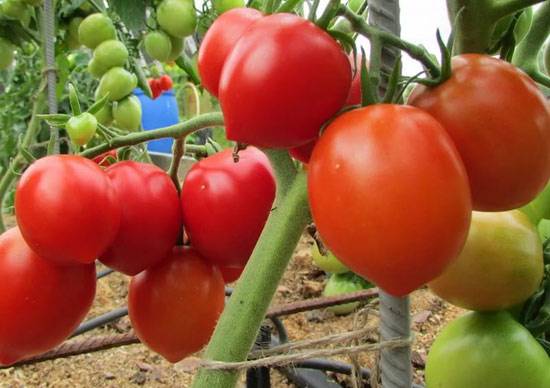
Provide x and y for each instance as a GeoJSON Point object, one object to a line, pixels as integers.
{"type": "Point", "coordinates": [19, 160]}
{"type": "Point", "coordinates": [416, 52]}
{"type": "Point", "coordinates": [285, 171]}
{"type": "Point", "coordinates": [177, 152]}
{"type": "Point", "coordinates": [526, 53]}
{"type": "Point", "coordinates": [508, 7]}
{"type": "Point", "coordinates": [245, 311]}
{"type": "Point", "coordinates": [175, 131]}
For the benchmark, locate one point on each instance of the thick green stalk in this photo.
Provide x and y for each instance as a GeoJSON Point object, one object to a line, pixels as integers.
{"type": "Point", "coordinates": [18, 161]}
{"type": "Point", "coordinates": [285, 172]}
{"type": "Point", "coordinates": [245, 311]}
{"type": "Point", "coordinates": [177, 153]}
{"type": "Point", "coordinates": [526, 53]}
{"type": "Point", "coordinates": [475, 21]}
{"type": "Point", "coordinates": [416, 52]}
{"type": "Point", "coordinates": [178, 130]}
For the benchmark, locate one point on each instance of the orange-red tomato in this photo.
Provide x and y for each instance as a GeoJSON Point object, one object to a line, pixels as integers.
{"type": "Point", "coordinates": [389, 195]}
{"type": "Point", "coordinates": [500, 123]}
{"type": "Point", "coordinates": [174, 306]}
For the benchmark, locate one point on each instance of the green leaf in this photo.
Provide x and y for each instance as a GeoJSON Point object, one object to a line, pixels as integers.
{"type": "Point", "coordinates": [131, 12]}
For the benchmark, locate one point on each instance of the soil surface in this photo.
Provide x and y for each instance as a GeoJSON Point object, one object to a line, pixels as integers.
{"type": "Point", "coordinates": [135, 365]}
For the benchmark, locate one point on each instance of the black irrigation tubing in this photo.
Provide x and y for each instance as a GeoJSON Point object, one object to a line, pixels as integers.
{"type": "Point", "coordinates": [101, 320]}
{"type": "Point", "coordinates": [336, 367]}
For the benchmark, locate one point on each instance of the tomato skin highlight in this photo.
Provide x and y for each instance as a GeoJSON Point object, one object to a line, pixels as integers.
{"type": "Point", "coordinates": [41, 303]}
{"type": "Point", "coordinates": [486, 350]}
{"type": "Point", "coordinates": [500, 124]}
{"type": "Point", "coordinates": [150, 220]}
{"type": "Point", "coordinates": [219, 41]}
{"type": "Point", "coordinates": [389, 195]}
{"type": "Point", "coordinates": [53, 203]}
{"type": "Point", "coordinates": [230, 201]}
{"type": "Point", "coordinates": [500, 266]}
{"type": "Point", "coordinates": [174, 306]}
{"type": "Point", "coordinates": [283, 79]}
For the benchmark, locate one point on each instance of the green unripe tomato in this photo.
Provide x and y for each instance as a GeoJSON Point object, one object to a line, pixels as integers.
{"type": "Point", "coordinates": [72, 33]}
{"type": "Point", "coordinates": [538, 208]}
{"type": "Point", "coordinates": [158, 45]}
{"type": "Point", "coordinates": [6, 53]}
{"type": "Point", "coordinates": [105, 115]}
{"type": "Point", "coordinates": [111, 53]}
{"type": "Point", "coordinates": [486, 350]}
{"type": "Point", "coordinates": [118, 82]}
{"type": "Point", "coordinates": [225, 5]}
{"type": "Point", "coordinates": [81, 129]}
{"type": "Point", "coordinates": [177, 17]}
{"type": "Point", "coordinates": [95, 69]}
{"type": "Point", "coordinates": [544, 230]}
{"type": "Point", "coordinates": [14, 9]}
{"type": "Point", "coordinates": [95, 29]}
{"type": "Point", "coordinates": [127, 113]}
{"type": "Point", "coordinates": [177, 48]}
{"type": "Point", "coordinates": [329, 262]}
{"type": "Point", "coordinates": [344, 283]}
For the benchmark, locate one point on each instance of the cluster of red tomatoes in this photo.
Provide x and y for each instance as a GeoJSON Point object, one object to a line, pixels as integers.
{"type": "Point", "coordinates": [160, 85]}
{"type": "Point", "coordinates": [391, 187]}
{"type": "Point", "coordinates": [130, 216]}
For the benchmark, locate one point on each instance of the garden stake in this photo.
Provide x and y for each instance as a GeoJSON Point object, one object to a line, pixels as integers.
{"type": "Point", "coordinates": [395, 363]}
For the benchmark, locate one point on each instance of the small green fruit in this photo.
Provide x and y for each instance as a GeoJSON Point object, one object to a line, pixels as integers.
{"type": "Point", "coordinates": [344, 283]}
{"type": "Point", "coordinates": [95, 29]}
{"type": "Point", "coordinates": [158, 45]}
{"type": "Point", "coordinates": [117, 82]}
{"type": "Point", "coordinates": [127, 113]}
{"type": "Point", "coordinates": [328, 262]}
{"type": "Point", "coordinates": [177, 17]}
{"type": "Point", "coordinates": [111, 53]}
{"type": "Point", "coordinates": [81, 129]}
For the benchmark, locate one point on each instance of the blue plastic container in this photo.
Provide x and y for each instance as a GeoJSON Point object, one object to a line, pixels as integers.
{"type": "Point", "coordinates": [158, 113]}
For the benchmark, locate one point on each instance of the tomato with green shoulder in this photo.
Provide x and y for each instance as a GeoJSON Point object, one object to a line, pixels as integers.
{"type": "Point", "coordinates": [487, 350]}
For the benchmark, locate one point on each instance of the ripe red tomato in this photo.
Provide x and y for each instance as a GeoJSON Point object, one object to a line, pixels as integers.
{"type": "Point", "coordinates": [231, 273]}
{"type": "Point", "coordinates": [174, 305]}
{"type": "Point", "coordinates": [226, 204]}
{"type": "Point", "coordinates": [284, 78]}
{"type": "Point", "coordinates": [303, 152]}
{"type": "Point", "coordinates": [151, 217]}
{"type": "Point", "coordinates": [354, 96]}
{"type": "Point", "coordinates": [165, 82]}
{"type": "Point", "coordinates": [67, 209]}
{"type": "Point", "coordinates": [500, 124]}
{"type": "Point", "coordinates": [219, 41]}
{"type": "Point", "coordinates": [155, 88]}
{"type": "Point", "coordinates": [106, 158]}
{"type": "Point", "coordinates": [389, 195]}
{"type": "Point", "coordinates": [41, 303]}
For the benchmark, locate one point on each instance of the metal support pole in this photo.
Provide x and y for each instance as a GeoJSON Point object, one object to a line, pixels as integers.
{"type": "Point", "coordinates": [48, 28]}
{"type": "Point", "coordinates": [395, 364]}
